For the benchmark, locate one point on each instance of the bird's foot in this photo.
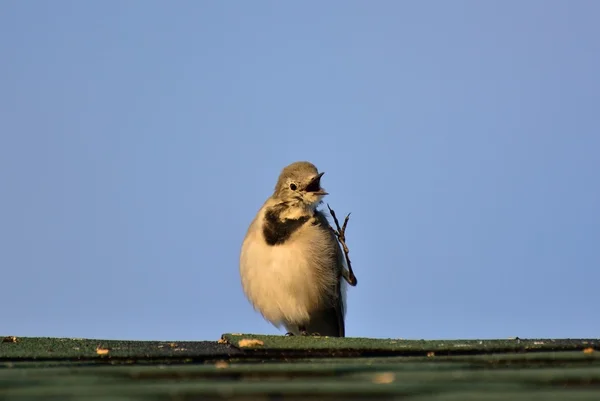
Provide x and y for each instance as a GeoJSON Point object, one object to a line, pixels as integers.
{"type": "Point", "coordinates": [305, 333]}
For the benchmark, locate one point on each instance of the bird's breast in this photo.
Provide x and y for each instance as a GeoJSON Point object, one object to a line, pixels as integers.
{"type": "Point", "coordinates": [286, 280]}
{"type": "Point", "coordinates": [277, 231]}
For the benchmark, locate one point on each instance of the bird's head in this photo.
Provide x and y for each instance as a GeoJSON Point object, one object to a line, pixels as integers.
{"type": "Point", "coordinates": [300, 183]}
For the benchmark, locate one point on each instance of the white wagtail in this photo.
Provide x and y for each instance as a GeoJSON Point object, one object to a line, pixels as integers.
{"type": "Point", "coordinates": [291, 264]}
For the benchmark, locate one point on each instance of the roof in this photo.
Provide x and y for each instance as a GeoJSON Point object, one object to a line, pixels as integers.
{"type": "Point", "coordinates": [245, 366]}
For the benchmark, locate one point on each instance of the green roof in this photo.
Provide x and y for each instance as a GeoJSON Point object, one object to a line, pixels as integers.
{"type": "Point", "coordinates": [246, 366]}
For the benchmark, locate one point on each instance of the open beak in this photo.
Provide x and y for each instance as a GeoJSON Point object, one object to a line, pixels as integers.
{"type": "Point", "coordinates": [314, 186]}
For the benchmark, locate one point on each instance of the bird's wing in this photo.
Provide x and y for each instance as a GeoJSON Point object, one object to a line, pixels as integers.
{"type": "Point", "coordinates": [331, 319]}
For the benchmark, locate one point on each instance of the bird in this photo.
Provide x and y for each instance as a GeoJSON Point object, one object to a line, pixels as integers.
{"type": "Point", "coordinates": [291, 264]}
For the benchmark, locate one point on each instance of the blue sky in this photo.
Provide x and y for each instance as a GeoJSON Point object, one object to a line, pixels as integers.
{"type": "Point", "coordinates": [139, 138]}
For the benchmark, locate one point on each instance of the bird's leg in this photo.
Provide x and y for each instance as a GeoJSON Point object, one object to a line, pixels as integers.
{"type": "Point", "coordinates": [302, 330]}
{"type": "Point", "coordinates": [340, 233]}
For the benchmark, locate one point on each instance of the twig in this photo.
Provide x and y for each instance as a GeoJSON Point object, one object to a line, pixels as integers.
{"type": "Point", "coordinates": [340, 234]}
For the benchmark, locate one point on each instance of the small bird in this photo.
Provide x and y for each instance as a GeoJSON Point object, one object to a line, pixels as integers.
{"type": "Point", "coordinates": [291, 264]}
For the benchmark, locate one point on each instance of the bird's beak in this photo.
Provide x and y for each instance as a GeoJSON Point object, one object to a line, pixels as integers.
{"type": "Point", "coordinates": [314, 186]}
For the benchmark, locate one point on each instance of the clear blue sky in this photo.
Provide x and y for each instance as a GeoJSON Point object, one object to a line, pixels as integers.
{"type": "Point", "coordinates": [139, 138]}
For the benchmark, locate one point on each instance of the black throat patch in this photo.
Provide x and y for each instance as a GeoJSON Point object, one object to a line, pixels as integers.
{"type": "Point", "coordinates": [277, 231]}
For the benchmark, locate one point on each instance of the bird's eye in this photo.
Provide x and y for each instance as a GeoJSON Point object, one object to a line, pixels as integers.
{"type": "Point", "coordinates": [293, 186]}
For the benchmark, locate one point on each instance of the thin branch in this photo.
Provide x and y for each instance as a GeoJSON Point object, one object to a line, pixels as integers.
{"type": "Point", "coordinates": [340, 234]}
